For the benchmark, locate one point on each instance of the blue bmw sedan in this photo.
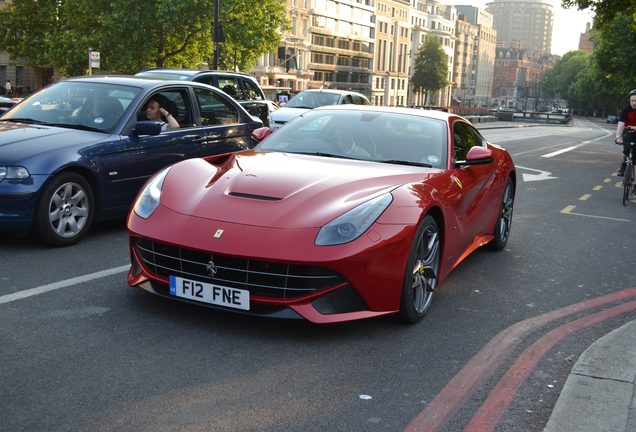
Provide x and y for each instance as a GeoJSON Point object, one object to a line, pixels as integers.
{"type": "Point", "coordinates": [79, 150]}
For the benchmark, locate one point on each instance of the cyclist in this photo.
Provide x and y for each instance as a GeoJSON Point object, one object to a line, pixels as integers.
{"type": "Point", "coordinates": [626, 129]}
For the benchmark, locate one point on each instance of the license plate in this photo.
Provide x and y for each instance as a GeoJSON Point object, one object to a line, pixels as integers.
{"type": "Point", "coordinates": [209, 293]}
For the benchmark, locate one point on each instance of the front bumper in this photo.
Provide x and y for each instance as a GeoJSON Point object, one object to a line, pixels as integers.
{"type": "Point", "coordinates": [18, 204]}
{"type": "Point", "coordinates": [369, 271]}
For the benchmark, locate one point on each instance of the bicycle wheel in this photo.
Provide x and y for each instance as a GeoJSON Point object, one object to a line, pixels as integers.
{"type": "Point", "coordinates": [627, 182]}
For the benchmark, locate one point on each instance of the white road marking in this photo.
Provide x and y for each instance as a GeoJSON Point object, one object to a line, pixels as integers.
{"type": "Point", "coordinates": [565, 150]}
{"type": "Point", "coordinates": [62, 284]}
{"type": "Point", "coordinates": [542, 175]}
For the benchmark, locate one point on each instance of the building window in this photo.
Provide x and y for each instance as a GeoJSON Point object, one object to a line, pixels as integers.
{"type": "Point", "coordinates": [342, 77]}
{"type": "Point", "coordinates": [19, 75]}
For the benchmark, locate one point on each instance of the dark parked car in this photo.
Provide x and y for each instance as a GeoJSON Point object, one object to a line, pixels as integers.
{"type": "Point", "coordinates": [81, 148]}
{"type": "Point", "coordinates": [242, 87]}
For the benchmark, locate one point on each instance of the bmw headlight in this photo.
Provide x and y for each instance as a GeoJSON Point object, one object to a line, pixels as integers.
{"type": "Point", "coordinates": [13, 173]}
{"type": "Point", "coordinates": [148, 200]}
{"type": "Point", "coordinates": [354, 223]}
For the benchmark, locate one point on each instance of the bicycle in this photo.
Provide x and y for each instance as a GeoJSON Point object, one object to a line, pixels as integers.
{"type": "Point", "coordinates": [629, 177]}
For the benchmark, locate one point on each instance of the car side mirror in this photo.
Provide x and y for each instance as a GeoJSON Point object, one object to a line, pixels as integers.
{"type": "Point", "coordinates": [260, 134]}
{"type": "Point", "coordinates": [146, 127]}
{"type": "Point", "coordinates": [476, 156]}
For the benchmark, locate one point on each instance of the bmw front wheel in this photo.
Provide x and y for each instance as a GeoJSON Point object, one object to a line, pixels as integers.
{"type": "Point", "coordinates": [65, 211]}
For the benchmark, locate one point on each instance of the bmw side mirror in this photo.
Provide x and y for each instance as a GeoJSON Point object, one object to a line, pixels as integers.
{"type": "Point", "coordinates": [145, 127]}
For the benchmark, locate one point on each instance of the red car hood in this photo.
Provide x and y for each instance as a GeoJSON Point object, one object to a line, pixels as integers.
{"type": "Point", "coordinates": [278, 189]}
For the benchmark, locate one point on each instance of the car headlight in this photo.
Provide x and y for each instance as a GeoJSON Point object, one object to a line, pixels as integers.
{"type": "Point", "coordinates": [148, 200]}
{"type": "Point", "coordinates": [13, 173]}
{"type": "Point", "coordinates": [354, 223]}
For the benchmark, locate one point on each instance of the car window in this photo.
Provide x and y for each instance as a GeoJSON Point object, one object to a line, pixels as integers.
{"type": "Point", "coordinates": [96, 105]}
{"type": "Point", "coordinates": [229, 85]}
{"type": "Point", "coordinates": [313, 99]}
{"type": "Point", "coordinates": [347, 99]}
{"type": "Point", "coordinates": [205, 79]}
{"type": "Point", "coordinates": [251, 91]}
{"type": "Point", "coordinates": [384, 137]}
{"type": "Point", "coordinates": [464, 137]}
{"type": "Point", "coordinates": [176, 101]}
{"type": "Point", "coordinates": [359, 100]}
{"type": "Point", "coordinates": [214, 109]}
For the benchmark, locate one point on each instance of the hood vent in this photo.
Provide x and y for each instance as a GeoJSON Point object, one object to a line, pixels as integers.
{"type": "Point", "coordinates": [254, 197]}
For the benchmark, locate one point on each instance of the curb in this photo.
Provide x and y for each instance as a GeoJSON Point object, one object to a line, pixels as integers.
{"type": "Point", "coordinates": [599, 395]}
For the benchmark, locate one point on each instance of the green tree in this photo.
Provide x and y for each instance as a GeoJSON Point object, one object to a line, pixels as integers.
{"type": "Point", "coordinates": [598, 82]}
{"type": "Point", "coordinates": [30, 38]}
{"type": "Point", "coordinates": [133, 35]}
{"type": "Point", "coordinates": [613, 53]}
{"type": "Point", "coordinates": [248, 35]}
{"type": "Point", "coordinates": [604, 10]}
{"type": "Point", "coordinates": [431, 68]}
{"type": "Point", "coordinates": [557, 80]}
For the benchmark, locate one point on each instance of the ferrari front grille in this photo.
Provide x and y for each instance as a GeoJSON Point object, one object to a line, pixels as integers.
{"type": "Point", "coordinates": [260, 278]}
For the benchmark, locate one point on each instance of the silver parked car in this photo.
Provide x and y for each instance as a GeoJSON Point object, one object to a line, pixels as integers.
{"type": "Point", "coordinates": [310, 99]}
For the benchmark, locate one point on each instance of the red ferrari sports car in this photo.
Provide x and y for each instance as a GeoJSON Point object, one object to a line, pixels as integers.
{"type": "Point", "coordinates": [347, 212]}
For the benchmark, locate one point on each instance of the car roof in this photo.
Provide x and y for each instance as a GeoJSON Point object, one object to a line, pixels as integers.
{"type": "Point", "coordinates": [131, 80]}
{"type": "Point", "coordinates": [193, 72]}
{"type": "Point", "coordinates": [337, 91]}
{"type": "Point", "coordinates": [435, 114]}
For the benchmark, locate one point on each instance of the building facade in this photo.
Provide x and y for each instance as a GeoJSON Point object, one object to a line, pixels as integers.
{"type": "Point", "coordinates": [485, 53]}
{"type": "Point", "coordinates": [330, 45]}
{"type": "Point", "coordinates": [430, 18]}
{"type": "Point", "coordinates": [517, 78]}
{"type": "Point", "coordinates": [465, 67]}
{"type": "Point", "coordinates": [370, 46]}
{"type": "Point", "coordinates": [529, 22]}
{"type": "Point", "coordinates": [392, 51]}
{"type": "Point", "coordinates": [585, 41]}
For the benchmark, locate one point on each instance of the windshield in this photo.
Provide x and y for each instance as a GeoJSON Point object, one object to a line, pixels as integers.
{"type": "Point", "coordinates": [313, 99]}
{"type": "Point", "coordinates": [396, 138]}
{"type": "Point", "coordinates": [95, 106]}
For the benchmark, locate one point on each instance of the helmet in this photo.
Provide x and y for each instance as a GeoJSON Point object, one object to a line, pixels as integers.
{"type": "Point", "coordinates": [632, 93]}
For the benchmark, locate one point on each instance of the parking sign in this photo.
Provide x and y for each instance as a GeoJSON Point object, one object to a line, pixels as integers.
{"type": "Point", "coordinates": [93, 59]}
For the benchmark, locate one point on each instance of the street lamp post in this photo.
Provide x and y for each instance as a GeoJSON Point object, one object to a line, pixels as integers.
{"type": "Point", "coordinates": [216, 34]}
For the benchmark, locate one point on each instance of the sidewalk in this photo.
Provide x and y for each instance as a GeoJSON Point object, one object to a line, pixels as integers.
{"type": "Point", "coordinates": [600, 393]}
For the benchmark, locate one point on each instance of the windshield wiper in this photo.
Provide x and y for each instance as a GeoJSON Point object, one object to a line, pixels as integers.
{"type": "Point", "coordinates": [409, 163]}
{"type": "Point", "coordinates": [22, 120]}
{"type": "Point", "coordinates": [73, 126]}
{"type": "Point", "coordinates": [315, 153]}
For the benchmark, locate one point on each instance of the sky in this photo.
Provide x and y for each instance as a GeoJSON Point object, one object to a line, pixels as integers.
{"type": "Point", "coordinates": [568, 24]}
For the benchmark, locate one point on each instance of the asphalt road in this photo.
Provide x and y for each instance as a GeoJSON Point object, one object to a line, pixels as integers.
{"type": "Point", "coordinates": [81, 351]}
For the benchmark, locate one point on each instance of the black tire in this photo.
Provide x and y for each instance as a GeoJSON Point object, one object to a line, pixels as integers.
{"type": "Point", "coordinates": [65, 211]}
{"type": "Point", "coordinates": [627, 182]}
{"type": "Point", "coordinates": [421, 274]}
{"type": "Point", "coordinates": [504, 219]}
